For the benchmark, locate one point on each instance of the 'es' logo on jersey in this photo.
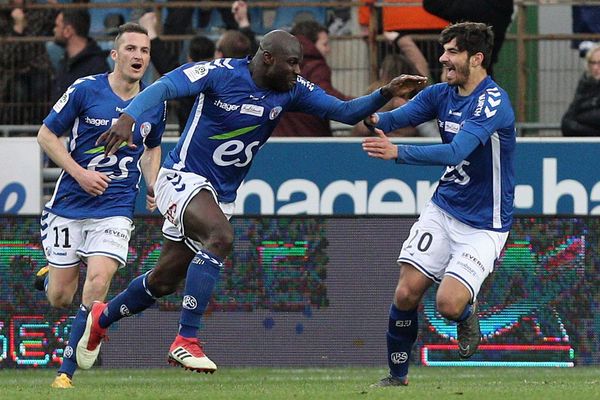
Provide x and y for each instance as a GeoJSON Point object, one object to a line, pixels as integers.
{"type": "Point", "coordinates": [196, 72]}
{"type": "Point", "coordinates": [275, 112]}
{"type": "Point", "coordinates": [171, 213]}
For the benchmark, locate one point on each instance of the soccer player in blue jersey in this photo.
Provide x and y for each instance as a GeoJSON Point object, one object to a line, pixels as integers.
{"type": "Point", "coordinates": [462, 230]}
{"type": "Point", "coordinates": [89, 217]}
{"type": "Point", "coordinates": [239, 102]}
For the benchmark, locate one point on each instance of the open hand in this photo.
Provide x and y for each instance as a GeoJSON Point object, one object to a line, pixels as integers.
{"type": "Point", "coordinates": [119, 133]}
{"type": "Point", "coordinates": [403, 85]}
{"type": "Point", "coordinates": [380, 146]}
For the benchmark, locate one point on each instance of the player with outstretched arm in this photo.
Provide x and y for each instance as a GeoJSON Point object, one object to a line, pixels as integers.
{"type": "Point", "coordinates": [462, 230]}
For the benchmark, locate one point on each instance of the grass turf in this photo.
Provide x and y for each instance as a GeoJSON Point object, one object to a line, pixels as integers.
{"type": "Point", "coordinates": [314, 384]}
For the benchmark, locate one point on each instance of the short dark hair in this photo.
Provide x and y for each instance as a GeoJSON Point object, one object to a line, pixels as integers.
{"type": "Point", "coordinates": [474, 37]}
{"type": "Point", "coordinates": [78, 19]}
{"type": "Point", "coordinates": [129, 27]}
{"type": "Point", "coordinates": [201, 48]}
{"type": "Point", "coordinates": [234, 44]}
{"type": "Point", "coordinates": [309, 29]}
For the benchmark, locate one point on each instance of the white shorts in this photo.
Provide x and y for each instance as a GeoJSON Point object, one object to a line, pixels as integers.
{"type": "Point", "coordinates": [174, 190]}
{"type": "Point", "coordinates": [440, 245]}
{"type": "Point", "coordinates": [68, 241]}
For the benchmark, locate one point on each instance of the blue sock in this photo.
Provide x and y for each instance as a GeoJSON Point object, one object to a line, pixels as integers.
{"type": "Point", "coordinates": [46, 280]}
{"type": "Point", "coordinates": [135, 299]}
{"type": "Point", "coordinates": [202, 276]}
{"type": "Point", "coordinates": [466, 313]}
{"type": "Point", "coordinates": [401, 336]}
{"type": "Point", "coordinates": [69, 364]}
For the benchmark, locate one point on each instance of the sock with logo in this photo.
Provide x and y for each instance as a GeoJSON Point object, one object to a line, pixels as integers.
{"type": "Point", "coordinates": [401, 336]}
{"type": "Point", "coordinates": [202, 276]}
{"type": "Point", "coordinates": [135, 299]}
{"type": "Point", "coordinates": [69, 364]}
{"type": "Point", "coordinates": [466, 313]}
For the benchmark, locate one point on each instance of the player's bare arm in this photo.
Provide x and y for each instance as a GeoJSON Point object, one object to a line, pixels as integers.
{"type": "Point", "coordinates": [403, 85]}
{"type": "Point", "coordinates": [93, 182]}
{"type": "Point", "coordinates": [150, 164]}
{"type": "Point", "coordinates": [380, 146]}
{"type": "Point", "coordinates": [119, 132]}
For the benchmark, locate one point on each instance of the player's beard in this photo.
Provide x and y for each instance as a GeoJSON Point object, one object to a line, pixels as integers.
{"type": "Point", "coordinates": [462, 73]}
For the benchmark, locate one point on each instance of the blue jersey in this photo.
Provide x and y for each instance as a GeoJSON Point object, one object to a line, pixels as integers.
{"type": "Point", "coordinates": [233, 117]}
{"type": "Point", "coordinates": [86, 110]}
{"type": "Point", "coordinates": [479, 191]}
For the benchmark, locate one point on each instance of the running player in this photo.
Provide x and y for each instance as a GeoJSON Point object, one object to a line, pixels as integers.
{"type": "Point", "coordinates": [462, 230]}
{"type": "Point", "coordinates": [89, 217]}
{"type": "Point", "coordinates": [239, 104]}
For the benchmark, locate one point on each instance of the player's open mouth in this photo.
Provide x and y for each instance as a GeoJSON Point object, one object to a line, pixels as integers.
{"type": "Point", "coordinates": [136, 66]}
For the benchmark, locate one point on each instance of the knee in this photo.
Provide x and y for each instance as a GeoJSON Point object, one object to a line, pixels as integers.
{"type": "Point", "coordinates": [406, 298]}
{"type": "Point", "coordinates": [60, 299]}
{"type": "Point", "coordinates": [98, 283]}
{"type": "Point", "coordinates": [220, 241]}
{"type": "Point", "coordinates": [449, 307]}
{"type": "Point", "coordinates": [163, 284]}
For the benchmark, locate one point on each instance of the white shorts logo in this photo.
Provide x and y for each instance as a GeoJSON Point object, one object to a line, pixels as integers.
{"type": "Point", "coordinates": [399, 357]}
{"type": "Point", "coordinates": [124, 310]}
{"type": "Point", "coordinates": [68, 352]}
{"type": "Point", "coordinates": [189, 302]}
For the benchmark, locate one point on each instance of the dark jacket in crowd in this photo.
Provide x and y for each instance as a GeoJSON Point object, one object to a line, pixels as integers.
{"type": "Point", "coordinates": [583, 115]}
{"type": "Point", "coordinates": [497, 13]}
{"type": "Point", "coordinates": [90, 61]}
{"type": "Point", "coordinates": [314, 68]}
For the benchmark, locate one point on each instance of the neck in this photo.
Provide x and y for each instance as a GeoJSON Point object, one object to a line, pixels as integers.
{"type": "Point", "coordinates": [122, 87]}
{"type": "Point", "coordinates": [476, 77]}
{"type": "Point", "coordinates": [76, 46]}
{"type": "Point", "coordinates": [255, 73]}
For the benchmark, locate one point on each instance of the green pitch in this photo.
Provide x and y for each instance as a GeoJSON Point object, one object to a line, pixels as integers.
{"type": "Point", "coordinates": [311, 384]}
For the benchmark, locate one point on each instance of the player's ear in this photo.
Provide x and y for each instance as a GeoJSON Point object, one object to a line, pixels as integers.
{"type": "Point", "coordinates": [113, 54]}
{"type": "Point", "coordinates": [268, 57]}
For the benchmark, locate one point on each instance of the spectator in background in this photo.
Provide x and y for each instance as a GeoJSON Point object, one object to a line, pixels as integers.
{"type": "Point", "coordinates": [164, 60]}
{"type": "Point", "coordinates": [25, 70]}
{"type": "Point", "coordinates": [239, 10]}
{"type": "Point", "coordinates": [583, 115]}
{"type": "Point", "coordinates": [314, 39]}
{"type": "Point", "coordinates": [393, 65]}
{"type": "Point", "coordinates": [586, 19]}
{"type": "Point", "coordinates": [496, 13]}
{"type": "Point", "coordinates": [82, 57]}
{"type": "Point", "coordinates": [233, 44]}
{"type": "Point", "coordinates": [399, 21]}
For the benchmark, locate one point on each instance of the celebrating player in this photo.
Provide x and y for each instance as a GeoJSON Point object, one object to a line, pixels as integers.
{"type": "Point", "coordinates": [238, 105]}
{"type": "Point", "coordinates": [462, 230]}
{"type": "Point", "coordinates": [89, 217]}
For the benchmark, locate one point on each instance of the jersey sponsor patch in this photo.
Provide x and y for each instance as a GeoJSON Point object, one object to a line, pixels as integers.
{"type": "Point", "coordinates": [451, 127]}
{"type": "Point", "coordinates": [64, 99]}
{"type": "Point", "coordinates": [96, 121]}
{"type": "Point", "coordinates": [252, 109]}
{"type": "Point", "coordinates": [196, 72]}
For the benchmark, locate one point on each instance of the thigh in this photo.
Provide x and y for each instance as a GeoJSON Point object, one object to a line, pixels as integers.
{"type": "Point", "coordinates": [106, 238]}
{"type": "Point", "coordinates": [473, 256]}
{"type": "Point", "coordinates": [427, 247]}
{"type": "Point", "coordinates": [61, 239]}
{"type": "Point", "coordinates": [190, 207]}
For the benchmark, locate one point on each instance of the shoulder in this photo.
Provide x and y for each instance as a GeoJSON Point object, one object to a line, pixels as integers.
{"type": "Point", "coordinates": [221, 66]}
